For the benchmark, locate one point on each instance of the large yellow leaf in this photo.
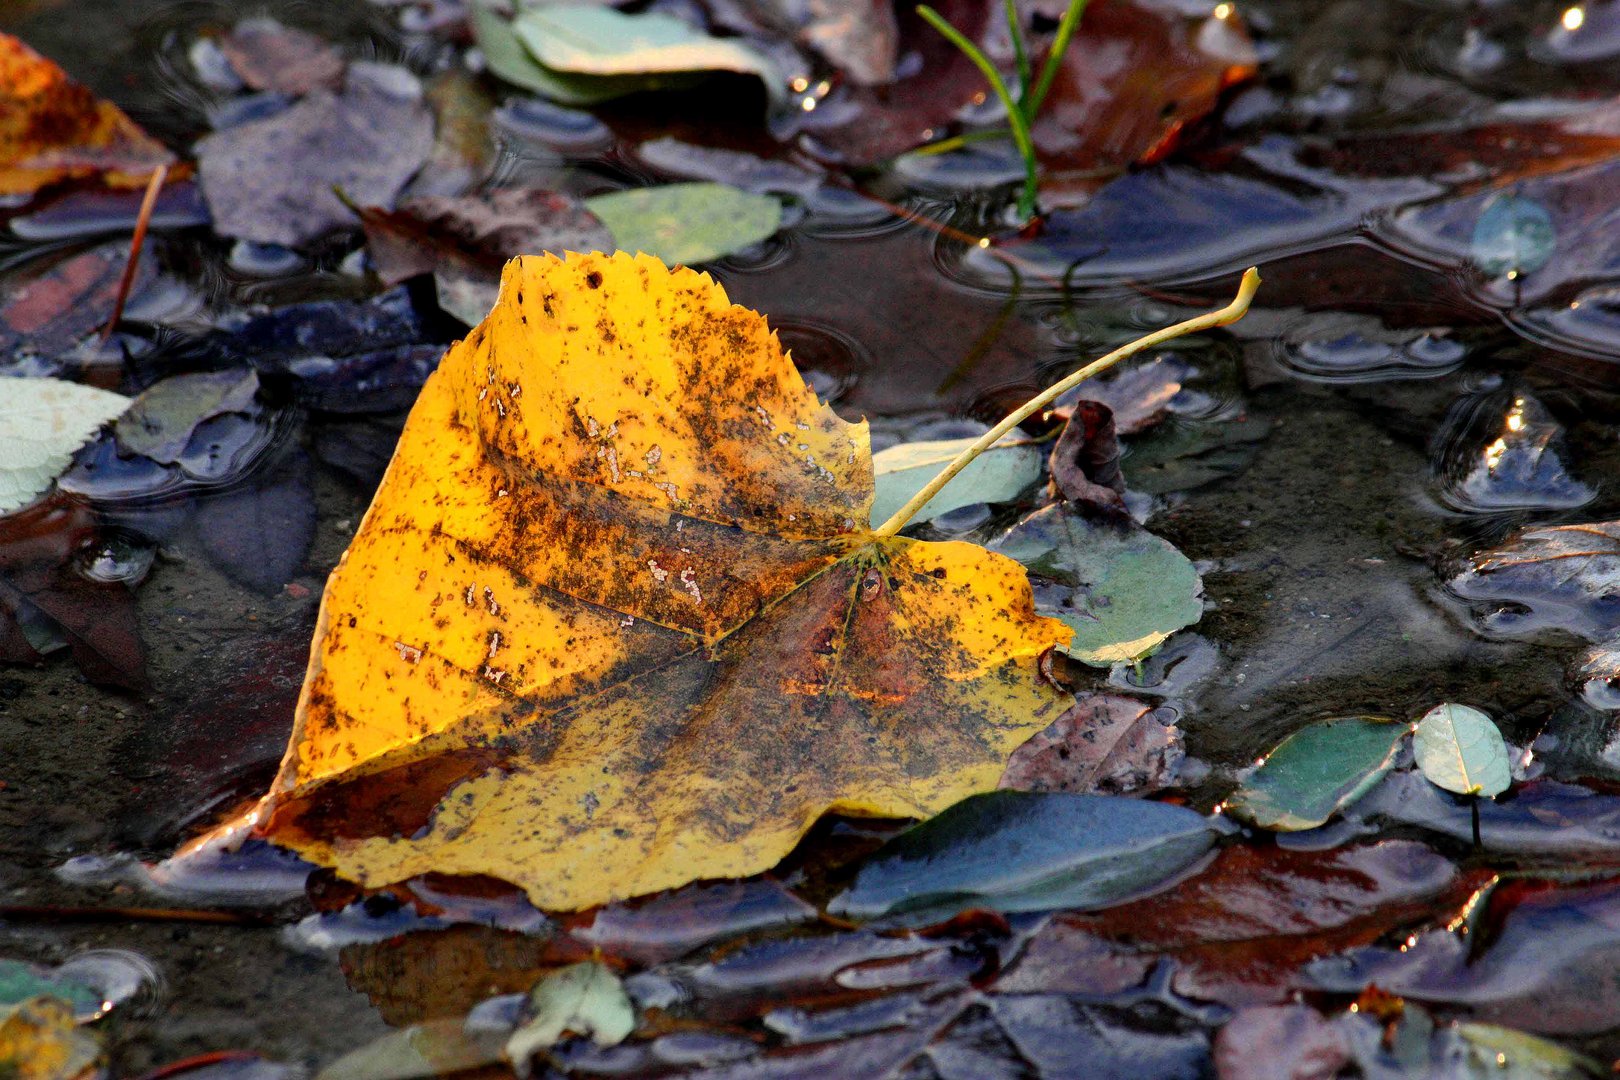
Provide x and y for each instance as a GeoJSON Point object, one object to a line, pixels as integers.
{"type": "Point", "coordinates": [615, 620]}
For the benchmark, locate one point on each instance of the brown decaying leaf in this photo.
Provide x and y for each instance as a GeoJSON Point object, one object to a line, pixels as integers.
{"type": "Point", "coordinates": [271, 56]}
{"type": "Point", "coordinates": [1242, 928]}
{"type": "Point", "coordinates": [1104, 743]}
{"type": "Point", "coordinates": [1136, 75]}
{"type": "Point", "coordinates": [1265, 1042]}
{"type": "Point", "coordinates": [48, 308]}
{"type": "Point", "coordinates": [477, 232]}
{"type": "Point", "coordinates": [1085, 462]}
{"type": "Point", "coordinates": [53, 129]}
{"type": "Point", "coordinates": [615, 621]}
{"type": "Point", "coordinates": [37, 579]}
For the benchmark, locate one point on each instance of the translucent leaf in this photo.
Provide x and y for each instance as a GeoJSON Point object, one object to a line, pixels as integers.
{"type": "Point", "coordinates": [1000, 474]}
{"type": "Point", "coordinates": [42, 422]}
{"type": "Point", "coordinates": [1461, 750]}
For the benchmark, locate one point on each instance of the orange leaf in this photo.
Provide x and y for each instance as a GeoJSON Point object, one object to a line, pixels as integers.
{"type": "Point", "coordinates": [53, 129]}
{"type": "Point", "coordinates": [615, 620]}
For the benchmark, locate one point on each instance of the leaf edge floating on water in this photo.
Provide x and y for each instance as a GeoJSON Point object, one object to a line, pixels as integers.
{"type": "Point", "coordinates": [659, 221]}
{"type": "Point", "coordinates": [70, 414]}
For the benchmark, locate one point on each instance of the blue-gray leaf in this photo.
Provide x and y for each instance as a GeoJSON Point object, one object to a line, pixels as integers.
{"type": "Point", "coordinates": [1021, 851]}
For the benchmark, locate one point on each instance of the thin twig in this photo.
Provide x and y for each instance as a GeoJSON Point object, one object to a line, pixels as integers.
{"type": "Point", "coordinates": [1229, 314]}
{"type": "Point", "coordinates": [127, 282]}
{"type": "Point", "coordinates": [53, 913]}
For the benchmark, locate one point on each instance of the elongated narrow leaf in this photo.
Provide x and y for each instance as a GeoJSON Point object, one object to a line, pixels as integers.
{"type": "Point", "coordinates": [1461, 750]}
{"type": "Point", "coordinates": [1022, 851]}
{"type": "Point", "coordinates": [1000, 474]}
{"type": "Point", "coordinates": [1317, 771]}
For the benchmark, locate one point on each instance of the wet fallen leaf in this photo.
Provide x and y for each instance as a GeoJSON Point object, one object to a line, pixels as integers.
{"type": "Point", "coordinates": [259, 534]}
{"type": "Point", "coordinates": [161, 422]}
{"type": "Point", "coordinates": [1104, 743]}
{"type": "Point", "coordinates": [586, 999]}
{"type": "Point", "coordinates": [591, 39]}
{"type": "Point", "coordinates": [1121, 589]}
{"type": "Point", "coordinates": [1178, 456]}
{"type": "Point", "coordinates": [52, 129]}
{"type": "Point", "coordinates": [269, 55]}
{"type": "Point", "coordinates": [42, 423]}
{"type": "Point", "coordinates": [432, 1048]}
{"type": "Point", "coordinates": [1138, 397]}
{"type": "Point", "coordinates": [463, 241]}
{"type": "Point", "coordinates": [50, 306]}
{"type": "Point", "coordinates": [47, 603]}
{"type": "Point", "coordinates": [20, 981]}
{"type": "Point", "coordinates": [1461, 750]}
{"type": "Point", "coordinates": [687, 223]}
{"type": "Point", "coordinates": [1562, 576]}
{"type": "Point", "coordinates": [1138, 73]}
{"type": "Point", "coordinates": [1280, 1042]}
{"type": "Point", "coordinates": [1543, 964]}
{"type": "Point", "coordinates": [1496, 1051]}
{"type": "Point", "coordinates": [859, 37]}
{"type": "Point", "coordinates": [1243, 928]}
{"type": "Point", "coordinates": [1085, 462]}
{"type": "Point", "coordinates": [670, 925]}
{"type": "Point", "coordinates": [1021, 851]}
{"type": "Point", "coordinates": [1000, 474]}
{"type": "Point", "coordinates": [39, 1040]}
{"type": "Point", "coordinates": [1317, 771]}
{"type": "Point", "coordinates": [275, 181]}
{"type": "Point", "coordinates": [690, 526]}
{"type": "Point", "coordinates": [511, 60]}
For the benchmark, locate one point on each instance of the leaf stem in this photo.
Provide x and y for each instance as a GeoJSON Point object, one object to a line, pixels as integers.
{"type": "Point", "coordinates": [1016, 118]}
{"type": "Point", "coordinates": [1231, 313]}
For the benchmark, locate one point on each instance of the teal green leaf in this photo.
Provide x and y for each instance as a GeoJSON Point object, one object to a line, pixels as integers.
{"type": "Point", "coordinates": [586, 999]}
{"type": "Point", "coordinates": [1505, 1054]}
{"type": "Point", "coordinates": [1461, 750]}
{"type": "Point", "coordinates": [1023, 851]}
{"type": "Point", "coordinates": [1000, 474]}
{"type": "Point", "coordinates": [20, 981]}
{"type": "Point", "coordinates": [506, 56]}
{"type": "Point", "coordinates": [1121, 589]}
{"type": "Point", "coordinates": [597, 40]}
{"type": "Point", "coordinates": [1316, 772]}
{"type": "Point", "coordinates": [687, 223]}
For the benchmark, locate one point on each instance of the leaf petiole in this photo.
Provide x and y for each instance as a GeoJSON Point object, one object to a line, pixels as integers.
{"type": "Point", "coordinates": [1231, 313]}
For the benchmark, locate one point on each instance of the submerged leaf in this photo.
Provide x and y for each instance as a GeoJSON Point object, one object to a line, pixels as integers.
{"type": "Point", "coordinates": [1105, 743]}
{"type": "Point", "coordinates": [687, 223]}
{"type": "Point", "coordinates": [614, 621]}
{"type": "Point", "coordinates": [1021, 851]}
{"type": "Point", "coordinates": [1121, 589]}
{"type": "Point", "coordinates": [509, 59]}
{"type": "Point", "coordinates": [1000, 474]}
{"type": "Point", "coordinates": [1317, 771]}
{"type": "Point", "coordinates": [42, 422]}
{"type": "Point", "coordinates": [1568, 576]}
{"type": "Point", "coordinates": [1461, 750]}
